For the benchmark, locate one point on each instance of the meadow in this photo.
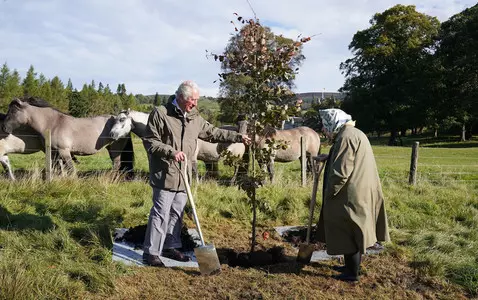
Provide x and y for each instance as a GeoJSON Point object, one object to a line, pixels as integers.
{"type": "Point", "coordinates": [55, 237]}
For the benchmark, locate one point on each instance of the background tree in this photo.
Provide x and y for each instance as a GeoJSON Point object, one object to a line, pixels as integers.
{"type": "Point", "coordinates": [10, 86]}
{"type": "Point", "coordinates": [265, 67]}
{"type": "Point", "coordinates": [44, 88]}
{"type": "Point", "coordinates": [157, 100]}
{"type": "Point", "coordinates": [458, 55]}
{"type": "Point", "coordinates": [384, 79]}
{"type": "Point", "coordinates": [77, 105]}
{"type": "Point", "coordinates": [58, 94]}
{"type": "Point", "coordinates": [30, 83]}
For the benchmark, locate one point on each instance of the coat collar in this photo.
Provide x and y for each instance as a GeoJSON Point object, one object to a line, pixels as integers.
{"type": "Point", "coordinates": [174, 110]}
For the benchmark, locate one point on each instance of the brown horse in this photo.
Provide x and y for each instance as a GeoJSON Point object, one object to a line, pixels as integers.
{"type": "Point", "coordinates": [292, 137]}
{"type": "Point", "coordinates": [70, 135]}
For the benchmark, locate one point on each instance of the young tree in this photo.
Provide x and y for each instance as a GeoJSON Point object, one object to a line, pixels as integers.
{"type": "Point", "coordinates": [232, 87]}
{"type": "Point", "coordinates": [265, 68]}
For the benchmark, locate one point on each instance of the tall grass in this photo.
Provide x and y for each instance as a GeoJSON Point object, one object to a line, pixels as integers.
{"type": "Point", "coordinates": [55, 238]}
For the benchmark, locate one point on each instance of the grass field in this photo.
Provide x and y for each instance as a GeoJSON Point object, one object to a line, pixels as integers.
{"type": "Point", "coordinates": [55, 238]}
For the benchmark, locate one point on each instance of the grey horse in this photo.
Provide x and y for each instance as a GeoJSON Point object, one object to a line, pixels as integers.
{"type": "Point", "coordinates": [69, 135]}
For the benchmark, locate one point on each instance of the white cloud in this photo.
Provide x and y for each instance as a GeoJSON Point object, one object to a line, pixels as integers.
{"type": "Point", "coordinates": [152, 45]}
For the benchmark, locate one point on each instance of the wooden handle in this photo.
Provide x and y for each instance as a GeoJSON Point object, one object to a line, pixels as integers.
{"type": "Point", "coordinates": [313, 200]}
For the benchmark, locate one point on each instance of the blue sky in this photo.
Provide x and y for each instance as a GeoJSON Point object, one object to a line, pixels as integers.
{"type": "Point", "coordinates": [153, 45]}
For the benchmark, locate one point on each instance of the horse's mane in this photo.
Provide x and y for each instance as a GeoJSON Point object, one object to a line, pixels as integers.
{"type": "Point", "coordinates": [39, 102]}
{"type": "Point", "coordinates": [36, 101]}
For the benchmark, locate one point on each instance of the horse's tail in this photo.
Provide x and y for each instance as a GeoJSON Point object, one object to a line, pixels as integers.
{"type": "Point", "coordinates": [127, 158]}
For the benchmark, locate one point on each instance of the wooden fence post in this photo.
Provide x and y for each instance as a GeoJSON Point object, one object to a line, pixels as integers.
{"type": "Point", "coordinates": [412, 179]}
{"type": "Point", "coordinates": [303, 159]}
{"type": "Point", "coordinates": [48, 155]}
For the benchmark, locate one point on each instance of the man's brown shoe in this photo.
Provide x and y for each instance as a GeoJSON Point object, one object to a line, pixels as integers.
{"type": "Point", "coordinates": [175, 255]}
{"type": "Point", "coordinates": [152, 260]}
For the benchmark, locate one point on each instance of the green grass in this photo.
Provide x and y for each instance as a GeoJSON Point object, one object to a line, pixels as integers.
{"type": "Point", "coordinates": [55, 238]}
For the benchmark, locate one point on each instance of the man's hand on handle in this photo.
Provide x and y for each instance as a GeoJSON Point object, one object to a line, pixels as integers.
{"type": "Point", "coordinates": [180, 156]}
{"type": "Point", "coordinates": [246, 140]}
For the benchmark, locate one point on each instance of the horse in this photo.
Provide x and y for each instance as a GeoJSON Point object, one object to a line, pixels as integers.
{"type": "Point", "coordinates": [134, 121]}
{"type": "Point", "coordinates": [292, 137]}
{"type": "Point", "coordinates": [24, 140]}
{"type": "Point", "coordinates": [69, 135]}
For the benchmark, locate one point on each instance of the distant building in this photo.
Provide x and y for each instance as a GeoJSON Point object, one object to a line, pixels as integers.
{"type": "Point", "coordinates": [316, 97]}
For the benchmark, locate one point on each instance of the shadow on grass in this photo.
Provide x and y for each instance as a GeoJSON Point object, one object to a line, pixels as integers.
{"type": "Point", "coordinates": [446, 141]}
{"type": "Point", "coordinates": [24, 221]}
{"type": "Point", "coordinates": [468, 144]}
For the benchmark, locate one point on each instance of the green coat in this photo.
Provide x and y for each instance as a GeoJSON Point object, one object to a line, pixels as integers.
{"type": "Point", "coordinates": [353, 214]}
{"type": "Point", "coordinates": [167, 133]}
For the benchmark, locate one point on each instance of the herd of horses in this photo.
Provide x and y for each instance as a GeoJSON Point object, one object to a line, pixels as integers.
{"type": "Point", "coordinates": [29, 120]}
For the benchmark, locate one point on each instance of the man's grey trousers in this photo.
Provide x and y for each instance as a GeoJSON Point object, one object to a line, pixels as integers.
{"type": "Point", "coordinates": [165, 221]}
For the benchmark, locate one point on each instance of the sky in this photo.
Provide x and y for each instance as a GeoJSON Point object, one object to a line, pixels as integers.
{"type": "Point", "coordinates": [153, 45]}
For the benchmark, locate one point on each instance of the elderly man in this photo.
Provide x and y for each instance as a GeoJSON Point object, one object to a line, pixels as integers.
{"type": "Point", "coordinates": [353, 214]}
{"type": "Point", "coordinates": [172, 133]}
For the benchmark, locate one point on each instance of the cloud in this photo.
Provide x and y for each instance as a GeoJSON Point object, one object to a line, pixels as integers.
{"type": "Point", "coordinates": [152, 45]}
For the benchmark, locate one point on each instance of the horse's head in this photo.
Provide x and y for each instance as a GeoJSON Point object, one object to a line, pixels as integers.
{"type": "Point", "coordinates": [16, 115]}
{"type": "Point", "coordinates": [122, 126]}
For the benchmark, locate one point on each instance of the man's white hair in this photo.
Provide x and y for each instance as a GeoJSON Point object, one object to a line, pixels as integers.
{"type": "Point", "coordinates": [186, 89]}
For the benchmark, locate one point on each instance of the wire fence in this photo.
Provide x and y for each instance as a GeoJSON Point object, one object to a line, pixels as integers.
{"type": "Point", "coordinates": [433, 164]}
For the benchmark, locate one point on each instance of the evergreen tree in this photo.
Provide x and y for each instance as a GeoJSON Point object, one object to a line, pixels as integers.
{"type": "Point", "coordinates": [157, 100]}
{"type": "Point", "coordinates": [45, 92]}
{"type": "Point", "coordinates": [77, 105]}
{"type": "Point", "coordinates": [100, 88]}
{"type": "Point", "coordinates": [9, 86]}
{"type": "Point", "coordinates": [58, 94]}
{"type": "Point", "coordinates": [30, 83]}
{"type": "Point", "coordinates": [4, 95]}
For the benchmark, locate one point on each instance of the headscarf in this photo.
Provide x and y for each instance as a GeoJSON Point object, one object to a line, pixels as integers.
{"type": "Point", "coordinates": [333, 119]}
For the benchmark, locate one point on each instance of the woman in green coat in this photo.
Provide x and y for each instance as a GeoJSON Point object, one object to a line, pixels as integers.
{"type": "Point", "coordinates": [353, 215]}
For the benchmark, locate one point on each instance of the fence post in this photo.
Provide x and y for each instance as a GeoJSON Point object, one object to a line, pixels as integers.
{"type": "Point", "coordinates": [48, 155]}
{"type": "Point", "coordinates": [303, 159]}
{"type": "Point", "coordinates": [412, 179]}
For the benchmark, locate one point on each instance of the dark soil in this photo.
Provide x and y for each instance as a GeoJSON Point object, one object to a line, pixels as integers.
{"type": "Point", "coordinates": [135, 235]}
{"type": "Point", "coordinates": [257, 258]}
{"type": "Point", "coordinates": [298, 236]}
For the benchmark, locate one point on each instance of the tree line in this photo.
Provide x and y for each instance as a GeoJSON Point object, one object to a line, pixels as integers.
{"type": "Point", "coordinates": [409, 71]}
{"type": "Point", "coordinates": [91, 100]}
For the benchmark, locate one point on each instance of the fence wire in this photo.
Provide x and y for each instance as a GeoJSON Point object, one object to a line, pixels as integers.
{"type": "Point", "coordinates": [392, 168]}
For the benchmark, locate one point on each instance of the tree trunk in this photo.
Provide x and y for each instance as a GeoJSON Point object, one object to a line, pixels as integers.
{"type": "Point", "coordinates": [463, 133]}
{"type": "Point", "coordinates": [393, 138]}
{"type": "Point", "coordinates": [436, 133]}
{"type": "Point", "coordinates": [403, 132]}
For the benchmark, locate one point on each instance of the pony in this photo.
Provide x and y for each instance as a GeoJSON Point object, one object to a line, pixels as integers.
{"type": "Point", "coordinates": [69, 135]}
{"type": "Point", "coordinates": [25, 141]}
{"type": "Point", "coordinates": [292, 137]}
{"type": "Point", "coordinates": [134, 121]}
